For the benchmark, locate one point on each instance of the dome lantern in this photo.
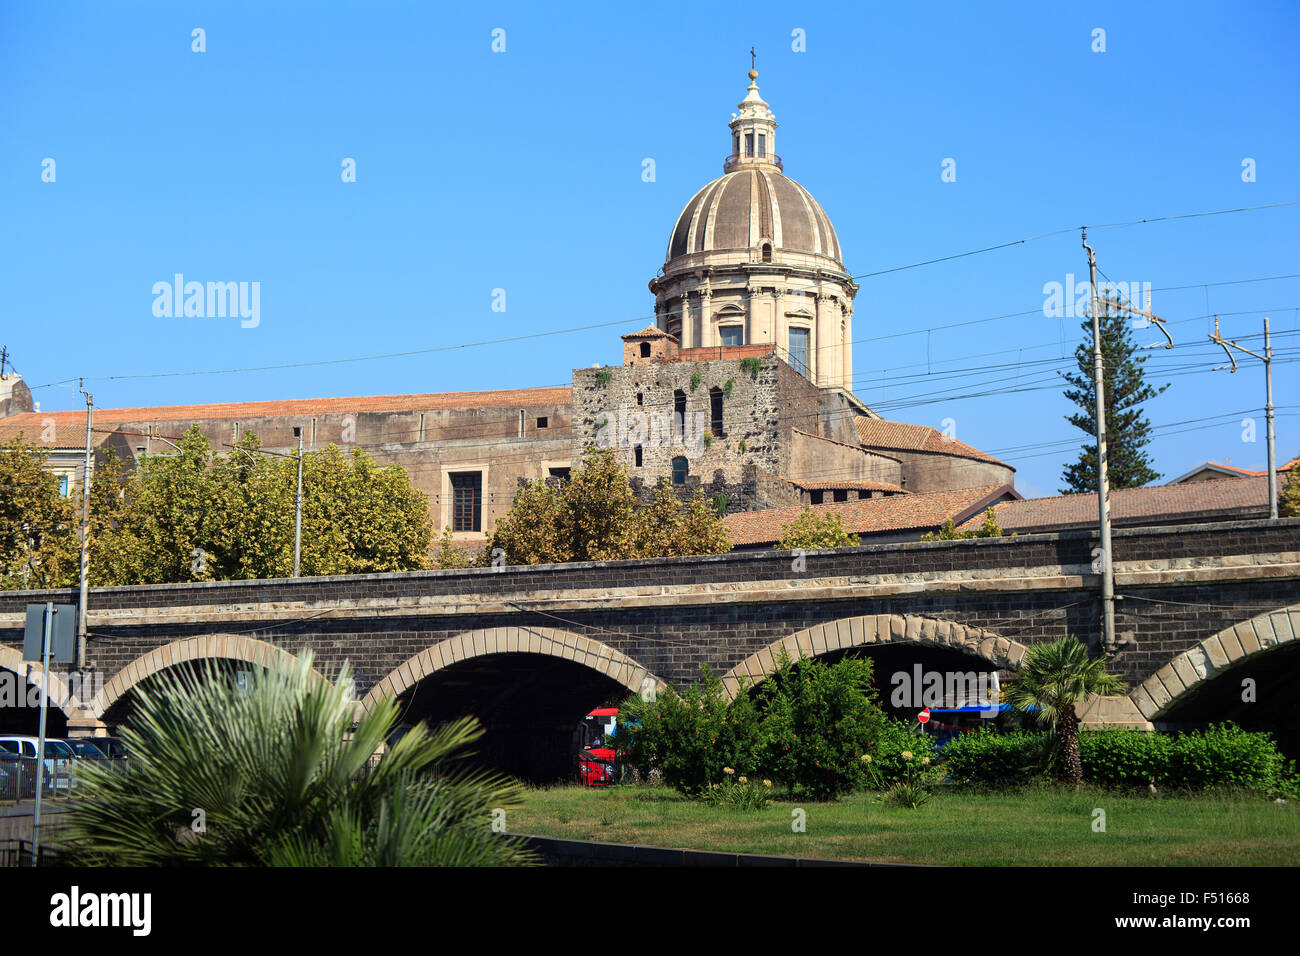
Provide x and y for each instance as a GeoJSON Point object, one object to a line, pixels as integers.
{"type": "Point", "coordinates": [753, 132]}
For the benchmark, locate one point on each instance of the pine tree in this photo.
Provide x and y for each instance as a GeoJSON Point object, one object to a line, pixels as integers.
{"type": "Point", "coordinates": [1127, 430]}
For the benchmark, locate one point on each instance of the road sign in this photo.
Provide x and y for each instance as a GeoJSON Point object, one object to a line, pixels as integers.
{"type": "Point", "coordinates": [924, 715]}
{"type": "Point", "coordinates": [63, 633]}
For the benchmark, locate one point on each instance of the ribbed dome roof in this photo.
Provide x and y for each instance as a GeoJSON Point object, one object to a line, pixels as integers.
{"type": "Point", "coordinates": [746, 206]}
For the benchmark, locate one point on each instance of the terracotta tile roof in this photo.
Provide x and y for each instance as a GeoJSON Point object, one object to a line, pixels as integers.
{"type": "Point", "coordinates": [64, 439]}
{"type": "Point", "coordinates": [1231, 471]}
{"type": "Point", "coordinates": [506, 398]}
{"type": "Point", "coordinates": [851, 484]}
{"type": "Point", "coordinates": [1193, 501]}
{"type": "Point", "coordinates": [650, 332]}
{"type": "Point", "coordinates": [878, 433]}
{"type": "Point", "coordinates": [897, 513]}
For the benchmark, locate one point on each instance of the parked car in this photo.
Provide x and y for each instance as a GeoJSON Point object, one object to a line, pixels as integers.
{"type": "Point", "coordinates": [85, 748]}
{"type": "Point", "coordinates": [113, 747]}
{"type": "Point", "coordinates": [58, 758]}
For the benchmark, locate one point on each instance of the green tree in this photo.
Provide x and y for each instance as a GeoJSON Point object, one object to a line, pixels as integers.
{"type": "Point", "coordinates": [196, 516]}
{"type": "Point", "coordinates": [1288, 495]}
{"type": "Point", "coordinates": [810, 532]}
{"type": "Point", "coordinates": [279, 774]}
{"type": "Point", "coordinates": [1055, 678]}
{"type": "Point", "coordinates": [664, 528]}
{"type": "Point", "coordinates": [39, 541]}
{"type": "Point", "coordinates": [1127, 430]}
{"type": "Point", "coordinates": [594, 517]}
{"type": "Point", "coordinates": [449, 556]}
{"type": "Point", "coordinates": [599, 509]}
{"type": "Point", "coordinates": [989, 528]}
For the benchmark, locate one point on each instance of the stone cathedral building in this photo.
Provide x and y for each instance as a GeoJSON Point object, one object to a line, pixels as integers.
{"type": "Point", "coordinates": [742, 389]}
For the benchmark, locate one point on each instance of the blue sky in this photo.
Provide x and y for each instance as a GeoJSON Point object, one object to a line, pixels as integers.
{"type": "Point", "coordinates": [522, 171]}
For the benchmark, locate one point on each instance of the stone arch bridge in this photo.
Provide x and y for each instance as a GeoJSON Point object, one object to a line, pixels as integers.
{"type": "Point", "coordinates": [1203, 611]}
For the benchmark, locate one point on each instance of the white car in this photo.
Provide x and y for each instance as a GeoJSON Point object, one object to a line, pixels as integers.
{"type": "Point", "coordinates": [58, 758]}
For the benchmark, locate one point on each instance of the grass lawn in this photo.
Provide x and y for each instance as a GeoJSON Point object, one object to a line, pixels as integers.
{"type": "Point", "coordinates": [1040, 826]}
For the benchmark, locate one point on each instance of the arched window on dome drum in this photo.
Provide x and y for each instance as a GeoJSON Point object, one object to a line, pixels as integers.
{"type": "Point", "coordinates": [681, 468]}
{"type": "Point", "coordinates": [645, 349]}
{"type": "Point", "coordinates": [767, 252]}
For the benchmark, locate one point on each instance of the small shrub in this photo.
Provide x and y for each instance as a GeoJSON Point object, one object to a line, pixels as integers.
{"type": "Point", "coordinates": [752, 366]}
{"type": "Point", "coordinates": [695, 381]}
{"type": "Point", "coordinates": [1225, 757]}
{"type": "Point", "coordinates": [986, 758]}
{"type": "Point", "coordinates": [1124, 758]}
{"type": "Point", "coordinates": [896, 752]}
{"type": "Point", "coordinates": [742, 448]}
{"type": "Point", "coordinates": [603, 376]}
{"type": "Point", "coordinates": [738, 793]}
{"type": "Point", "coordinates": [910, 795]}
{"type": "Point", "coordinates": [727, 388]}
{"type": "Point", "coordinates": [818, 721]}
{"type": "Point", "coordinates": [708, 439]}
{"type": "Point", "coordinates": [690, 738]}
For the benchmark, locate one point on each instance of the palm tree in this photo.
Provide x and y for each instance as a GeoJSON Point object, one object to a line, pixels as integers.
{"type": "Point", "coordinates": [280, 773]}
{"type": "Point", "coordinates": [1055, 678]}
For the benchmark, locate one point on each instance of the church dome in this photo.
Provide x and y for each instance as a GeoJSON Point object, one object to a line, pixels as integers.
{"type": "Point", "coordinates": [751, 206]}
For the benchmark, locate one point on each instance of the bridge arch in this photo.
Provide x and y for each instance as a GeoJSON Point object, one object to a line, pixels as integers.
{"type": "Point", "coordinates": [60, 696]}
{"type": "Point", "coordinates": [235, 647]}
{"type": "Point", "coordinates": [1201, 663]}
{"type": "Point", "coordinates": [877, 629]}
{"type": "Point", "coordinates": [547, 641]}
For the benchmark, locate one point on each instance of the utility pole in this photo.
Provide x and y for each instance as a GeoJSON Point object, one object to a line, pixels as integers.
{"type": "Point", "coordinates": [1267, 359]}
{"type": "Point", "coordinates": [1103, 479]}
{"type": "Point", "coordinates": [297, 521]}
{"type": "Point", "coordinates": [47, 625]}
{"type": "Point", "coordinates": [85, 535]}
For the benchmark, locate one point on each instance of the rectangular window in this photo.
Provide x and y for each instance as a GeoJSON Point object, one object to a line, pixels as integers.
{"type": "Point", "coordinates": [562, 473]}
{"type": "Point", "coordinates": [637, 455]}
{"type": "Point", "coordinates": [749, 144]}
{"type": "Point", "coordinates": [762, 145]}
{"type": "Point", "coordinates": [541, 422]}
{"type": "Point", "coordinates": [815, 497]}
{"type": "Point", "coordinates": [467, 501]}
{"type": "Point", "coordinates": [799, 351]}
{"type": "Point", "coordinates": [64, 485]}
{"type": "Point", "coordinates": [841, 495]}
{"type": "Point", "coordinates": [732, 334]}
